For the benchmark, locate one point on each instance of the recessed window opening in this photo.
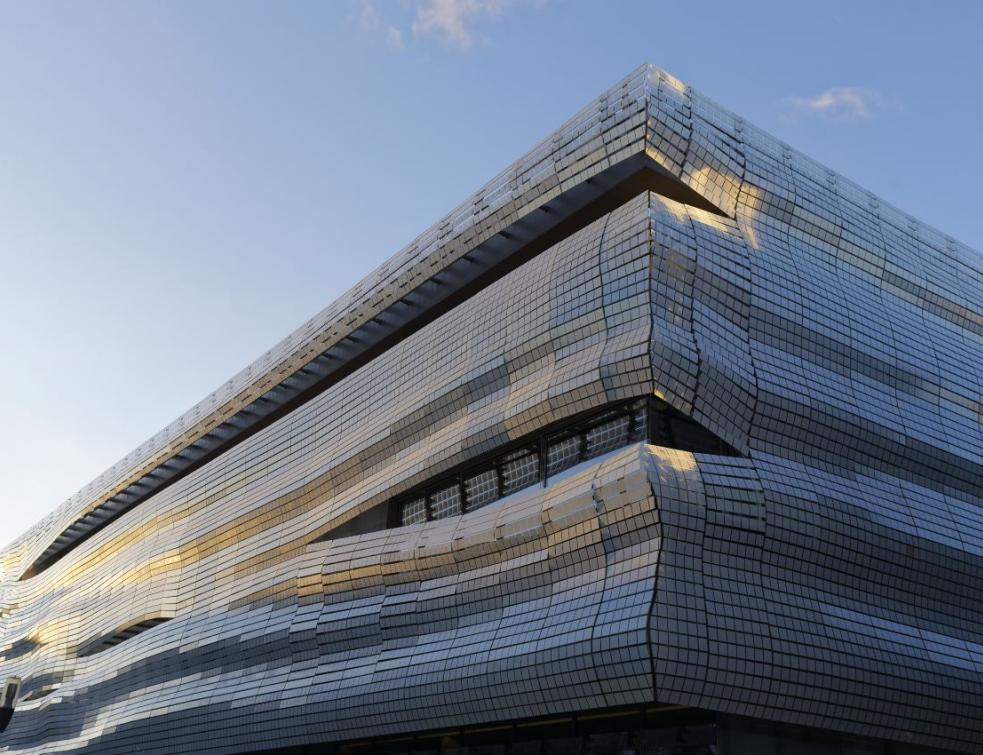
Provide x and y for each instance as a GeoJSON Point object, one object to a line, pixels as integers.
{"type": "Point", "coordinates": [10, 690]}
{"type": "Point", "coordinates": [112, 640]}
{"type": "Point", "coordinates": [536, 458]}
{"type": "Point", "coordinates": [39, 693]}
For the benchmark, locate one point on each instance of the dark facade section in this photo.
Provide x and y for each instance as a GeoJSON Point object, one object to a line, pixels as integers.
{"type": "Point", "coordinates": [694, 466]}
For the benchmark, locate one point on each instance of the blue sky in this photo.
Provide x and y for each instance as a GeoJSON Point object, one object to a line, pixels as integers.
{"type": "Point", "coordinates": [183, 183]}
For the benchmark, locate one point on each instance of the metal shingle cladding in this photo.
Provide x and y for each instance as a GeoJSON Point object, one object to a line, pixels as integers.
{"type": "Point", "coordinates": [831, 577]}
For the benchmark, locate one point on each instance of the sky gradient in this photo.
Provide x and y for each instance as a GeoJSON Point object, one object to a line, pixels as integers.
{"type": "Point", "coordinates": [183, 184]}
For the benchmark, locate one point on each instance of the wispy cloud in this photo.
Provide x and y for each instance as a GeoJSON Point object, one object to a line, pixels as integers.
{"type": "Point", "coordinates": [369, 18]}
{"type": "Point", "coordinates": [841, 103]}
{"type": "Point", "coordinates": [368, 15]}
{"type": "Point", "coordinates": [454, 23]}
{"type": "Point", "coordinates": [394, 37]}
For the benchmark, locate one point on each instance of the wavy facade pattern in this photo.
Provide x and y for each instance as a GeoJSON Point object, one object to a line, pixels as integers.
{"type": "Point", "coordinates": [239, 582]}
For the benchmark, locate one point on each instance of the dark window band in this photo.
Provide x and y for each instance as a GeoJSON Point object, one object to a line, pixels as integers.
{"type": "Point", "coordinates": [555, 449]}
{"type": "Point", "coordinates": [111, 640]}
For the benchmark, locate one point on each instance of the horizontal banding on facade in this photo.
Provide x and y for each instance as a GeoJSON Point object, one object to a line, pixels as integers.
{"type": "Point", "coordinates": [827, 575]}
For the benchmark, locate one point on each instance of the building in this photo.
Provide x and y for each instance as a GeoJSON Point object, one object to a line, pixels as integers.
{"type": "Point", "coordinates": [667, 440]}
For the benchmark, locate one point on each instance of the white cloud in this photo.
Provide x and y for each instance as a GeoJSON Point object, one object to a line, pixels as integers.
{"type": "Point", "coordinates": [369, 18]}
{"type": "Point", "coordinates": [394, 38]}
{"type": "Point", "coordinates": [368, 15]}
{"type": "Point", "coordinates": [455, 23]}
{"type": "Point", "coordinates": [451, 21]}
{"type": "Point", "coordinates": [841, 103]}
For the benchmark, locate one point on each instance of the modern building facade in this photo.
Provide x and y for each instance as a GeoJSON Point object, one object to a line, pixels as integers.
{"type": "Point", "coordinates": [667, 440]}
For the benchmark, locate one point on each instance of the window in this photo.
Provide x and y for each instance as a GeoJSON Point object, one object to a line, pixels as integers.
{"type": "Point", "coordinates": [10, 691]}
{"type": "Point", "coordinates": [111, 640]}
{"type": "Point", "coordinates": [557, 448]}
{"type": "Point", "coordinates": [39, 693]}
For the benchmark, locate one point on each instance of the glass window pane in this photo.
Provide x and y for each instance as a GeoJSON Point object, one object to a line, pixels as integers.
{"type": "Point", "coordinates": [446, 502]}
{"type": "Point", "coordinates": [519, 470]}
{"type": "Point", "coordinates": [639, 411]}
{"type": "Point", "coordinates": [562, 454]}
{"type": "Point", "coordinates": [481, 489]}
{"type": "Point", "coordinates": [607, 436]}
{"type": "Point", "coordinates": [414, 511]}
